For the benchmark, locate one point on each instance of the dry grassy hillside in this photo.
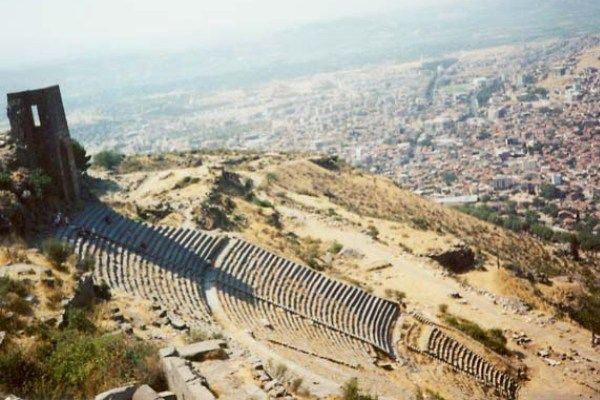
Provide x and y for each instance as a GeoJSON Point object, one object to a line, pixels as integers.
{"type": "Point", "coordinates": [364, 229]}
{"type": "Point", "coordinates": [407, 222]}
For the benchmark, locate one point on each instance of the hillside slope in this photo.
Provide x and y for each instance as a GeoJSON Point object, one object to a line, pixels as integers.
{"type": "Point", "coordinates": [365, 230]}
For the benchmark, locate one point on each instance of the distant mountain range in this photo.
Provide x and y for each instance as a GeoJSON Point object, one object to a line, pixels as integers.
{"type": "Point", "coordinates": [397, 36]}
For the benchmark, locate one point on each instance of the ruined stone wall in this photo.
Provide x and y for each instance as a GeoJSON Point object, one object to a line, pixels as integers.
{"type": "Point", "coordinates": [40, 131]}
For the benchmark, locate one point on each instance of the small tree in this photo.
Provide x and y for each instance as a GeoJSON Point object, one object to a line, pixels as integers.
{"type": "Point", "coordinates": [351, 391]}
{"type": "Point", "coordinates": [39, 182]}
{"type": "Point", "coordinates": [57, 251]}
{"type": "Point", "coordinates": [82, 160]}
{"type": "Point", "coordinates": [108, 159]}
{"type": "Point", "coordinates": [373, 232]}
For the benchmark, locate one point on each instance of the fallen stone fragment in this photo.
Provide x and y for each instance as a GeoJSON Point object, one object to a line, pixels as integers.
{"type": "Point", "coordinates": [166, 395]}
{"type": "Point", "coordinates": [120, 393]}
{"type": "Point", "coordinates": [145, 392]}
{"type": "Point", "coordinates": [167, 352]}
{"type": "Point", "coordinates": [212, 349]}
{"type": "Point", "coordinates": [176, 321]}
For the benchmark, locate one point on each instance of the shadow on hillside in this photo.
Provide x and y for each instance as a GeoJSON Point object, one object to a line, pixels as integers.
{"type": "Point", "coordinates": [185, 252]}
{"type": "Point", "coordinates": [100, 187]}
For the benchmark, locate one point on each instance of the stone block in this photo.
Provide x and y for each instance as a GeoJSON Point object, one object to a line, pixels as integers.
{"type": "Point", "coordinates": [208, 349]}
{"type": "Point", "coordinates": [197, 391]}
{"type": "Point", "coordinates": [120, 393]}
{"type": "Point", "coordinates": [166, 395]}
{"type": "Point", "coordinates": [167, 352]}
{"type": "Point", "coordinates": [145, 392]}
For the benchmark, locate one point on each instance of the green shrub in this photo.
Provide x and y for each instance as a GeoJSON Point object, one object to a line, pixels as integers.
{"type": "Point", "coordinates": [86, 264]}
{"type": "Point", "coordinates": [351, 391]}
{"type": "Point", "coordinates": [57, 251]}
{"type": "Point", "coordinates": [271, 178]}
{"type": "Point", "coordinates": [492, 338]}
{"type": "Point", "coordinates": [18, 370]}
{"type": "Point", "coordinates": [420, 223]}
{"type": "Point", "coordinates": [274, 219]}
{"type": "Point", "coordinates": [72, 364]}
{"type": "Point", "coordinates": [8, 285]}
{"type": "Point", "coordinates": [82, 160]}
{"type": "Point", "coordinates": [103, 291]}
{"type": "Point", "coordinates": [39, 182]}
{"type": "Point", "coordinates": [5, 180]}
{"type": "Point", "coordinates": [108, 159]}
{"type": "Point", "coordinates": [185, 181]}
{"type": "Point", "coordinates": [12, 294]}
{"type": "Point", "coordinates": [587, 311]}
{"type": "Point", "coordinates": [262, 203]}
{"type": "Point", "coordinates": [373, 232]}
{"type": "Point", "coordinates": [77, 319]}
{"type": "Point", "coordinates": [336, 247]}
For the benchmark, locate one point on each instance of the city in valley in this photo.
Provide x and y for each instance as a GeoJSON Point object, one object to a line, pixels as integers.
{"type": "Point", "coordinates": [514, 128]}
{"type": "Point", "coordinates": [300, 200]}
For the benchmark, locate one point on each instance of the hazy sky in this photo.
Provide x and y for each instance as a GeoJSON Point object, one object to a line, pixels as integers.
{"type": "Point", "coordinates": [43, 30]}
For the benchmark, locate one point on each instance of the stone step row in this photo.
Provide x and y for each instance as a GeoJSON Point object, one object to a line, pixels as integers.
{"type": "Point", "coordinates": [446, 349]}
{"type": "Point", "coordinates": [269, 322]}
{"type": "Point", "coordinates": [120, 268]}
{"type": "Point", "coordinates": [309, 293]}
{"type": "Point", "coordinates": [148, 259]}
{"type": "Point", "coordinates": [194, 248]}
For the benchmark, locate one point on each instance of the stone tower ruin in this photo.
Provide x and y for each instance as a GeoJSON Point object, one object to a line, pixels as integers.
{"type": "Point", "coordinates": [39, 128]}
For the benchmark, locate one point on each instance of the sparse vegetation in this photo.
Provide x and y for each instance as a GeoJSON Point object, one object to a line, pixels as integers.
{"type": "Point", "coordinates": [82, 160]}
{"type": "Point", "coordinates": [12, 303]}
{"type": "Point", "coordinates": [335, 247]}
{"type": "Point", "coordinates": [78, 361]}
{"type": "Point", "coordinates": [586, 311]}
{"type": "Point", "coordinates": [443, 308]}
{"type": "Point", "coordinates": [198, 335]}
{"type": "Point", "coordinates": [279, 372]}
{"type": "Point", "coordinates": [108, 159]}
{"type": "Point", "coordinates": [261, 202]}
{"type": "Point", "coordinates": [434, 395]}
{"type": "Point", "coordinates": [86, 264]}
{"type": "Point", "coordinates": [351, 391]}
{"type": "Point", "coordinates": [295, 385]}
{"type": "Point", "coordinates": [491, 338]}
{"type": "Point", "coordinates": [373, 232]}
{"type": "Point", "coordinates": [185, 181]}
{"type": "Point", "coordinates": [420, 223]}
{"type": "Point", "coordinates": [57, 251]}
{"type": "Point", "coordinates": [396, 295]}
{"type": "Point", "coordinates": [70, 364]}
{"type": "Point", "coordinates": [39, 183]}
{"type": "Point", "coordinates": [308, 250]}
